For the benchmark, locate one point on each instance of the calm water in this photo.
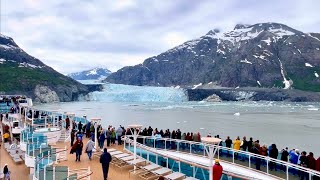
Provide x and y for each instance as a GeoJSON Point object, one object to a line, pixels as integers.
{"type": "Point", "coordinates": [296, 125]}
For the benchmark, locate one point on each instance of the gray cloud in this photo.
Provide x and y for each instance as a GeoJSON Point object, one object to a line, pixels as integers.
{"type": "Point", "coordinates": [118, 33]}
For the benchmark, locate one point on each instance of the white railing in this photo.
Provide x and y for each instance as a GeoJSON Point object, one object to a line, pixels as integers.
{"type": "Point", "coordinates": [191, 145]}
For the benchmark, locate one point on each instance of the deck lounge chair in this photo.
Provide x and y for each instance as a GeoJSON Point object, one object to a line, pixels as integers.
{"type": "Point", "coordinates": [115, 153]}
{"type": "Point", "coordinates": [156, 173]}
{"type": "Point", "coordinates": [175, 176]}
{"type": "Point", "coordinates": [144, 169]}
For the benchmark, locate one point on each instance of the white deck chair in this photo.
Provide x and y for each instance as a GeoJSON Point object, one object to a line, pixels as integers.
{"type": "Point", "coordinates": [147, 174]}
{"type": "Point", "coordinates": [115, 153]}
{"type": "Point", "coordinates": [175, 176]}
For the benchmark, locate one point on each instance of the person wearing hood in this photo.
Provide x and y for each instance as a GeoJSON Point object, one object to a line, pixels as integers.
{"type": "Point", "coordinates": [89, 148]}
{"type": "Point", "coordinates": [217, 170]}
{"type": "Point", "coordinates": [236, 146]}
{"type": "Point", "coordinates": [77, 148]}
{"type": "Point", "coordinates": [105, 160]}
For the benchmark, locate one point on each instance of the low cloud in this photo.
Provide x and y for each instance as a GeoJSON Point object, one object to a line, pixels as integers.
{"type": "Point", "coordinates": [77, 35]}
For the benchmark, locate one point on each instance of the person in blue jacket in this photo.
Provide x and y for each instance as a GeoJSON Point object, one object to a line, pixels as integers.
{"type": "Point", "coordinates": [105, 160]}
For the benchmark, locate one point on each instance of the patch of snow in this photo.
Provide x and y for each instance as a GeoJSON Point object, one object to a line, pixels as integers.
{"type": "Point", "coordinates": [196, 86]}
{"type": "Point", "coordinates": [177, 87]}
{"type": "Point", "coordinates": [246, 61]}
{"type": "Point", "coordinates": [308, 65]}
{"type": "Point", "coordinates": [268, 41]}
{"type": "Point", "coordinates": [255, 56]}
{"type": "Point", "coordinates": [220, 51]}
{"type": "Point", "coordinates": [259, 46]}
{"type": "Point", "coordinates": [281, 32]}
{"type": "Point", "coordinates": [285, 81]}
{"type": "Point", "coordinates": [165, 60]}
{"type": "Point", "coordinates": [92, 72]}
{"type": "Point", "coordinates": [317, 49]}
{"type": "Point", "coordinates": [316, 74]}
{"type": "Point", "coordinates": [210, 83]}
{"type": "Point", "coordinates": [299, 51]}
{"type": "Point", "coordinates": [237, 87]}
{"type": "Point", "coordinates": [314, 37]}
{"type": "Point", "coordinates": [259, 83]}
{"type": "Point", "coordinates": [2, 60]}
{"type": "Point", "coordinates": [24, 64]}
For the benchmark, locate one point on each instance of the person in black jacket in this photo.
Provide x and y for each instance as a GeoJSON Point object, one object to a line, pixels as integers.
{"type": "Point", "coordinates": [105, 160]}
{"type": "Point", "coordinates": [273, 154]}
{"type": "Point", "coordinates": [228, 144]}
{"type": "Point", "coordinates": [284, 157]}
{"type": "Point", "coordinates": [304, 163]}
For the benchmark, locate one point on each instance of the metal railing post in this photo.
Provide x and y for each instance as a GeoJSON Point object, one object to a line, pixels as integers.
{"type": "Point", "coordinates": [249, 161]}
{"type": "Point", "coordinates": [267, 165]}
{"type": "Point", "coordinates": [165, 144]}
{"type": "Point", "coordinates": [287, 171]}
{"type": "Point", "coordinates": [54, 172]}
{"type": "Point", "coordinates": [233, 156]}
{"type": "Point", "coordinates": [190, 148]}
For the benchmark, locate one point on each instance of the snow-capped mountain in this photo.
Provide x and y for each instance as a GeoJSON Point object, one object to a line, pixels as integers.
{"type": "Point", "coordinates": [92, 74]}
{"type": "Point", "coordinates": [260, 55]}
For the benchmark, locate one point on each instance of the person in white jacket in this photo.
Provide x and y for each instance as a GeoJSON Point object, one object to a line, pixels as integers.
{"type": "Point", "coordinates": [89, 148]}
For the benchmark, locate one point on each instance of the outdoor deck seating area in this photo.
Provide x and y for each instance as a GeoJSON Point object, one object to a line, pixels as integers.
{"type": "Point", "coordinates": [17, 155]}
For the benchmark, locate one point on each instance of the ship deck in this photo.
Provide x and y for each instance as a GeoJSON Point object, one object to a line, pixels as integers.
{"type": "Point", "coordinates": [21, 171]}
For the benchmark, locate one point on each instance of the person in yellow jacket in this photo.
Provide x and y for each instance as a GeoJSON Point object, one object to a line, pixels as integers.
{"type": "Point", "coordinates": [6, 137]}
{"type": "Point", "coordinates": [236, 146]}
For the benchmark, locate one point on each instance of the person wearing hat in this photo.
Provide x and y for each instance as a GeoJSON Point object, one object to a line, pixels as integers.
{"type": "Point", "coordinates": [217, 170]}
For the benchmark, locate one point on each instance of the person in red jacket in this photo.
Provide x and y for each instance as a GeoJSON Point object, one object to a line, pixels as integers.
{"type": "Point", "coordinates": [217, 170]}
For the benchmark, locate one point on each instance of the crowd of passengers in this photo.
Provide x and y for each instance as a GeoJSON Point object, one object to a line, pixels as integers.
{"type": "Point", "coordinates": [293, 156]}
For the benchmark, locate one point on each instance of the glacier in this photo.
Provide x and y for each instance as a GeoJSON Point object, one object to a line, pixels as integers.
{"type": "Point", "coordinates": [128, 93]}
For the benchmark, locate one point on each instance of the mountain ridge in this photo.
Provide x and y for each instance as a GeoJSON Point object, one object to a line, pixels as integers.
{"type": "Point", "coordinates": [260, 55]}
{"type": "Point", "coordinates": [95, 73]}
{"type": "Point", "coordinates": [20, 73]}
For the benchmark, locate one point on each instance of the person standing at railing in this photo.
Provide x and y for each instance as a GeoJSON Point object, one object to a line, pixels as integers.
{"type": "Point", "coordinates": [228, 142]}
{"type": "Point", "coordinates": [284, 157]}
{"type": "Point", "coordinates": [256, 150]}
{"type": "Point", "coordinates": [250, 144]}
{"type": "Point", "coordinates": [304, 163]}
{"type": "Point", "coordinates": [88, 126]}
{"type": "Point", "coordinates": [217, 170]}
{"type": "Point", "coordinates": [236, 146]}
{"type": "Point", "coordinates": [243, 146]}
{"type": "Point", "coordinates": [273, 154]}
{"type": "Point", "coordinates": [80, 126]}
{"type": "Point", "coordinates": [105, 160]}
{"type": "Point", "coordinates": [317, 169]}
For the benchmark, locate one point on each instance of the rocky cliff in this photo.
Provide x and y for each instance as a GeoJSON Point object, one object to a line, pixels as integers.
{"type": "Point", "coordinates": [23, 74]}
{"type": "Point", "coordinates": [262, 55]}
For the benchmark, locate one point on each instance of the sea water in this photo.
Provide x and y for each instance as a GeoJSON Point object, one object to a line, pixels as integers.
{"type": "Point", "coordinates": [293, 125]}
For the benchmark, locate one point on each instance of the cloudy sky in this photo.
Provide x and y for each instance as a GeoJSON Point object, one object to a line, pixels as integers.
{"type": "Point", "coordinates": [73, 35]}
